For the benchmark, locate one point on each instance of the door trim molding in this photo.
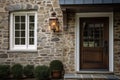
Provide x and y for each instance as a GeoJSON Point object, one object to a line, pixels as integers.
{"type": "Point", "coordinates": [77, 37]}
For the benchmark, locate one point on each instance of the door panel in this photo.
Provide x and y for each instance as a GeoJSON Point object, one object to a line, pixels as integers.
{"type": "Point", "coordinates": [94, 39]}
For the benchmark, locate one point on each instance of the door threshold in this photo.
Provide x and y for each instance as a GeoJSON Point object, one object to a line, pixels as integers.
{"type": "Point", "coordinates": [94, 72]}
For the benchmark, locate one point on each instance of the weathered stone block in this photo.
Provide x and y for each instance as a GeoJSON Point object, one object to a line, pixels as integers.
{"type": "Point", "coordinates": [29, 6]}
{"type": "Point", "coordinates": [55, 39]}
{"type": "Point", "coordinates": [36, 7]}
{"type": "Point", "coordinates": [2, 1]}
{"type": "Point", "coordinates": [48, 45]}
{"type": "Point", "coordinates": [9, 8]}
{"type": "Point", "coordinates": [3, 56]}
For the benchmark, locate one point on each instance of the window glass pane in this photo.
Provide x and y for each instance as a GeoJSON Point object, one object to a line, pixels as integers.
{"type": "Point", "coordinates": [17, 33]}
{"type": "Point", "coordinates": [17, 26]}
{"type": "Point", "coordinates": [22, 33]}
{"type": "Point", "coordinates": [22, 18]}
{"type": "Point", "coordinates": [31, 33]}
{"type": "Point", "coordinates": [31, 26]}
{"type": "Point", "coordinates": [17, 41]}
{"type": "Point", "coordinates": [31, 18]}
{"type": "Point", "coordinates": [31, 41]}
{"type": "Point", "coordinates": [17, 18]}
{"type": "Point", "coordinates": [22, 41]}
{"type": "Point", "coordinates": [23, 26]}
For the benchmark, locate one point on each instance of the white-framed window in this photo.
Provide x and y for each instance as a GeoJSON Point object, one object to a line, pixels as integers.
{"type": "Point", "coordinates": [23, 30]}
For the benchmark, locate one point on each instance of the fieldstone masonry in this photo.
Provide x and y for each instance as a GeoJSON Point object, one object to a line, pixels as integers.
{"type": "Point", "coordinates": [69, 45]}
{"type": "Point", "coordinates": [50, 45]}
{"type": "Point", "coordinates": [117, 43]}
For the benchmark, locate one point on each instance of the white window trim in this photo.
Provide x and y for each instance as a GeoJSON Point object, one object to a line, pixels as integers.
{"type": "Point", "coordinates": [77, 30]}
{"type": "Point", "coordinates": [22, 47]}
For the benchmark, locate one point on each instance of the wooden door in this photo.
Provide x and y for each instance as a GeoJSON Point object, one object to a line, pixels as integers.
{"type": "Point", "coordinates": [94, 43]}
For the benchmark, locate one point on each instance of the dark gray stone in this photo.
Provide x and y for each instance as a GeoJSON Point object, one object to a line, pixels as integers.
{"type": "Point", "coordinates": [2, 1]}
{"type": "Point", "coordinates": [43, 30]}
{"type": "Point", "coordinates": [36, 7]}
{"type": "Point", "coordinates": [17, 7]}
{"type": "Point", "coordinates": [55, 39]}
{"type": "Point", "coordinates": [29, 6]}
{"type": "Point", "coordinates": [3, 56]}
{"type": "Point", "coordinates": [23, 6]}
{"type": "Point", "coordinates": [9, 8]}
{"type": "Point", "coordinates": [13, 7]}
{"type": "Point", "coordinates": [43, 54]}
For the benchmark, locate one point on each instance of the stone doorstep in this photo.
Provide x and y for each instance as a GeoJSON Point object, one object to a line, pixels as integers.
{"type": "Point", "coordinates": [91, 76]}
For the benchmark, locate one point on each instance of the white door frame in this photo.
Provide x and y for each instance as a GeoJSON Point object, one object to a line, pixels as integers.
{"type": "Point", "coordinates": [77, 30]}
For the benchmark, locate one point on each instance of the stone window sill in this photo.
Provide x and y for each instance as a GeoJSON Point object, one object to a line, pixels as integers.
{"type": "Point", "coordinates": [22, 51]}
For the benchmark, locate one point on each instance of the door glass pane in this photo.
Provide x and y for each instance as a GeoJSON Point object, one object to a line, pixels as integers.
{"type": "Point", "coordinates": [22, 26]}
{"type": "Point", "coordinates": [92, 34]}
{"type": "Point", "coordinates": [17, 26]}
{"type": "Point", "coordinates": [91, 43]}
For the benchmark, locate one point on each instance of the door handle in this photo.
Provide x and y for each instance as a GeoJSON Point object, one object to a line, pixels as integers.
{"type": "Point", "coordinates": [105, 46]}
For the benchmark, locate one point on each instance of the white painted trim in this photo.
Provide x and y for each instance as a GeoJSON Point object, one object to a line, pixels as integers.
{"type": "Point", "coordinates": [11, 27]}
{"type": "Point", "coordinates": [101, 14]}
{"type": "Point", "coordinates": [14, 47]}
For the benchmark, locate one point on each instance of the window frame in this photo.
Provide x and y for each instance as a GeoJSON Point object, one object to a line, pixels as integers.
{"type": "Point", "coordinates": [27, 46]}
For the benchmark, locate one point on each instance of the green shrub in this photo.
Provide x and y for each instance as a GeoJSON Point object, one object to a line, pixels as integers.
{"type": "Point", "coordinates": [17, 71]}
{"type": "Point", "coordinates": [29, 70]}
{"type": "Point", "coordinates": [56, 65]}
{"type": "Point", "coordinates": [42, 72]}
{"type": "Point", "coordinates": [4, 71]}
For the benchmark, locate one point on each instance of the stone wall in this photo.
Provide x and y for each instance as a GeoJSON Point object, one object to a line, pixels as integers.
{"type": "Point", "coordinates": [49, 44]}
{"type": "Point", "coordinates": [117, 43]}
{"type": "Point", "coordinates": [69, 44]}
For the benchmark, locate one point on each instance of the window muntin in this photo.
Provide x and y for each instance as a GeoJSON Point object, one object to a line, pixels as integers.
{"type": "Point", "coordinates": [19, 30]}
{"type": "Point", "coordinates": [31, 30]}
{"type": "Point", "coordinates": [23, 31]}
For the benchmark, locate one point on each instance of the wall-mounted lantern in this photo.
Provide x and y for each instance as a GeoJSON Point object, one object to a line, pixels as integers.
{"type": "Point", "coordinates": [54, 23]}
